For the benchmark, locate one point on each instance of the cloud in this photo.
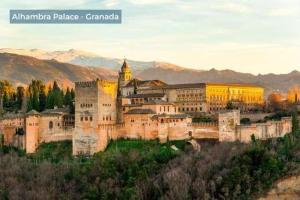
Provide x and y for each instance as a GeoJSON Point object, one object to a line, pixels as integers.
{"type": "Point", "coordinates": [110, 3]}
{"type": "Point", "coordinates": [233, 8]}
{"type": "Point", "coordinates": [42, 4]}
{"type": "Point", "coordinates": [151, 2]}
{"type": "Point", "coordinates": [281, 12]}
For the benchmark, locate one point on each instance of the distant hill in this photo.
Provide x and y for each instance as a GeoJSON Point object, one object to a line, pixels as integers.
{"type": "Point", "coordinates": [270, 82]}
{"type": "Point", "coordinates": [22, 69]}
{"type": "Point", "coordinates": [92, 65]}
{"type": "Point", "coordinates": [79, 57]}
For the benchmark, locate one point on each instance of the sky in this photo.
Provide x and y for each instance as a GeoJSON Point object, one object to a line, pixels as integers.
{"type": "Point", "coordinates": [253, 36]}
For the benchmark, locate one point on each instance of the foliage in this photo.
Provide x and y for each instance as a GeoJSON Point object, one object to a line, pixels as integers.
{"type": "Point", "coordinates": [135, 169]}
{"type": "Point", "coordinates": [278, 115]}
{"type": "Point", "coordinates": [230, 105]}
{"type": "Point", "coordinates": [239, 172]}
{"type": "Point", "coordinates": [245, 121]}
{"type": "Point", "coordinates": [35, 97]}
{"type": "Point", "coordinates": [52, 173]}
{"type": "Point", "coordinates": [53, 152]}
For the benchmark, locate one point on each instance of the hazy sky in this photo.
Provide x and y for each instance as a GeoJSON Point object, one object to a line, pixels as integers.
{"type": "Point", "coordinates": [256, 36]}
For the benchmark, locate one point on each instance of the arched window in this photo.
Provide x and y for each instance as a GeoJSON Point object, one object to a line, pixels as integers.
{"type": "Point", "coordinates": [50, 125]}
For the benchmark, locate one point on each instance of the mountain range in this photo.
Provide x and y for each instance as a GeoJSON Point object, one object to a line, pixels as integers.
{"type": "Point", "coordinates": [20, 70]}
{"type": "Point", "coordinates": [21, 65]}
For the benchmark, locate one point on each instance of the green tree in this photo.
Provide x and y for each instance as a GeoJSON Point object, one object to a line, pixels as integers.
{"type": "Point", "coordinates": [50, 100]}
{"type": "Point", "coordinates": [42, 99]}
{"type": "Point", "coordinates": [55, 97]}
{"type": "Point", "coordinates": [5, 100]}
{"type": "Point", "coordinates": [230, 105]}
{"type": "Point", "coordinates": [20, 97]}
{"type": "Point", "coordinates": [68, 100]}
{"type": "Point", "coordinates": [73, 94]}
{"type": "Point", "coordinates": [34, 90]}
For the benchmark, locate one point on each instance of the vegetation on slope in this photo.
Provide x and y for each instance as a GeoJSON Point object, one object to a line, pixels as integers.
{"type": "Point", "coordinates": [226, 170]}
{"type": "Point", "coordinates": [134, 169]}
{"type": "Point", "coordinates": [52, 173]}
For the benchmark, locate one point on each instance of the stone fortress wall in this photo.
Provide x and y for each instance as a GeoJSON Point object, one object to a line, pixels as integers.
{"type": "Point", "coordinates": [228, 129]}
{"type": "Point", "coordinates": [89, 136]}
{"type": "Point", "coordinates": [28, 131]}
{"type": "Point", "coordinates": [270, 129]}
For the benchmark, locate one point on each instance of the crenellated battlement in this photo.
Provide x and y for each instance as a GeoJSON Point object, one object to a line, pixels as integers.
{"type": "Point", "coordinates": [85, 84]}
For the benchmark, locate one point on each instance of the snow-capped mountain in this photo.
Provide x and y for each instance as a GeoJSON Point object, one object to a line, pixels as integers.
{"type": "Point", "coordinates": [84, 58]}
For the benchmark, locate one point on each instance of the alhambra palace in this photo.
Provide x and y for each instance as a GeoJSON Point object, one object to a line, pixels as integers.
{"type": "Point", "coordinates": [142, 109]}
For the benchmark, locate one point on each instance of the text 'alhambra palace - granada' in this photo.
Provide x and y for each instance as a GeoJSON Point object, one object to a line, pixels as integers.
{"type": "Point", "coordinates": [143, 109]}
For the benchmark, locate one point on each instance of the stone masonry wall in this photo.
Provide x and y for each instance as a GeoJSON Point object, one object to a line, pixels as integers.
{"type": "Point", "coordinates": [270, 129]}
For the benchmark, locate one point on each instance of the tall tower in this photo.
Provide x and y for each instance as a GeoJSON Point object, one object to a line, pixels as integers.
{"type": "Point", "coordinates": [95, 106]}
{"type": "Point", "coordinates": [119, 103]}
{"type": "Point", "coordinates": [125, 74]}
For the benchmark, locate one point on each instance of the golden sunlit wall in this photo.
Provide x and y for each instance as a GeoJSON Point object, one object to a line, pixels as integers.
{"type": "Point", "coordinates": [218, 95]}
{"type": "Point", "coordinates": [109, 87]}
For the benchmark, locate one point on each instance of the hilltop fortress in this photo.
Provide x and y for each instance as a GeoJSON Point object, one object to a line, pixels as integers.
{"type": "Point", "coordinates": [142, 109]}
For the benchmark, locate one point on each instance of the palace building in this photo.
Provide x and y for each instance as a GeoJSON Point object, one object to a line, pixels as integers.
{"type": "Point", "coordinates": [141, 109]}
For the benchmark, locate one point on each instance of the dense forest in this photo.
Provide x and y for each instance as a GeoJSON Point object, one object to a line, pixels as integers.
{"type": "Point", "coordinates": [35, 96]}
{"type": "Point", "coordinates": [135, 169]}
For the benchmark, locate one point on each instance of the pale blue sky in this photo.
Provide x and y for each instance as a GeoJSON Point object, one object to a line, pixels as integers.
{"type": "Point", "coordinates": [256, 36]}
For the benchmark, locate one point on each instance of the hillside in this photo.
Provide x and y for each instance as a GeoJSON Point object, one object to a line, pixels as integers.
{"type": "Point", "coordinates": [136, 169]}
{"type": "Point", "coordinates": [270, 82]}
{"type": "Point", "coordinates": [22, 69]}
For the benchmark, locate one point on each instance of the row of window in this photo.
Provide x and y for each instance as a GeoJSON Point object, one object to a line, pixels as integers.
{"type": "Point", "coordinates": [170, 120]}
{"type": "Point", "coordinates": [190, 109]}
{"type": "Point", "coordinates": [86, 105]}
{"type": "Point", "coordinates": [240, 98]}
{"type": "Point", "coordinates": [164, 108]}
{"type": "Point", "coordinates": [32, 124]}
{"type": "Point", "coordinates": [191, 104]}
{"type": "Point", "coordinates": [162, 121]}
{"type": "Point", "coordinates": [231, 91]}
{"type": "Point", "coordinates": [106, 118]}
{"type": "Point", "coordinates": [86, 118]}
{"type": "Point", "coordinates": [106, 105]}
{"type": "Point", "coordinates": [189, 95]}
{"type": "Point", "coordinates": [189, 99]}
{"type": "Point", "coordinates": [180, 91]}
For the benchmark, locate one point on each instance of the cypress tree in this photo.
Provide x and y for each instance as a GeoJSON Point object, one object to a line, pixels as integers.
{"type": "Point", "coordinates": [42, 99]}
{"type": "Point", "coordinates": [5, 100]}
{"type": "Point", "coordinates": [55, 97]}
{"type": "Point", "coordinates": [20, 97]}
{"type": "Point", "coordinates": [73, 94]}
{"type": "Point", "coordinates": [29, 105]}
{"type": "Point", "coordinates": [35, 101]}
{"type": "Point", "coordinates": [68, 97]}
{"type": "Point", "coordinates": [50, 99]}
